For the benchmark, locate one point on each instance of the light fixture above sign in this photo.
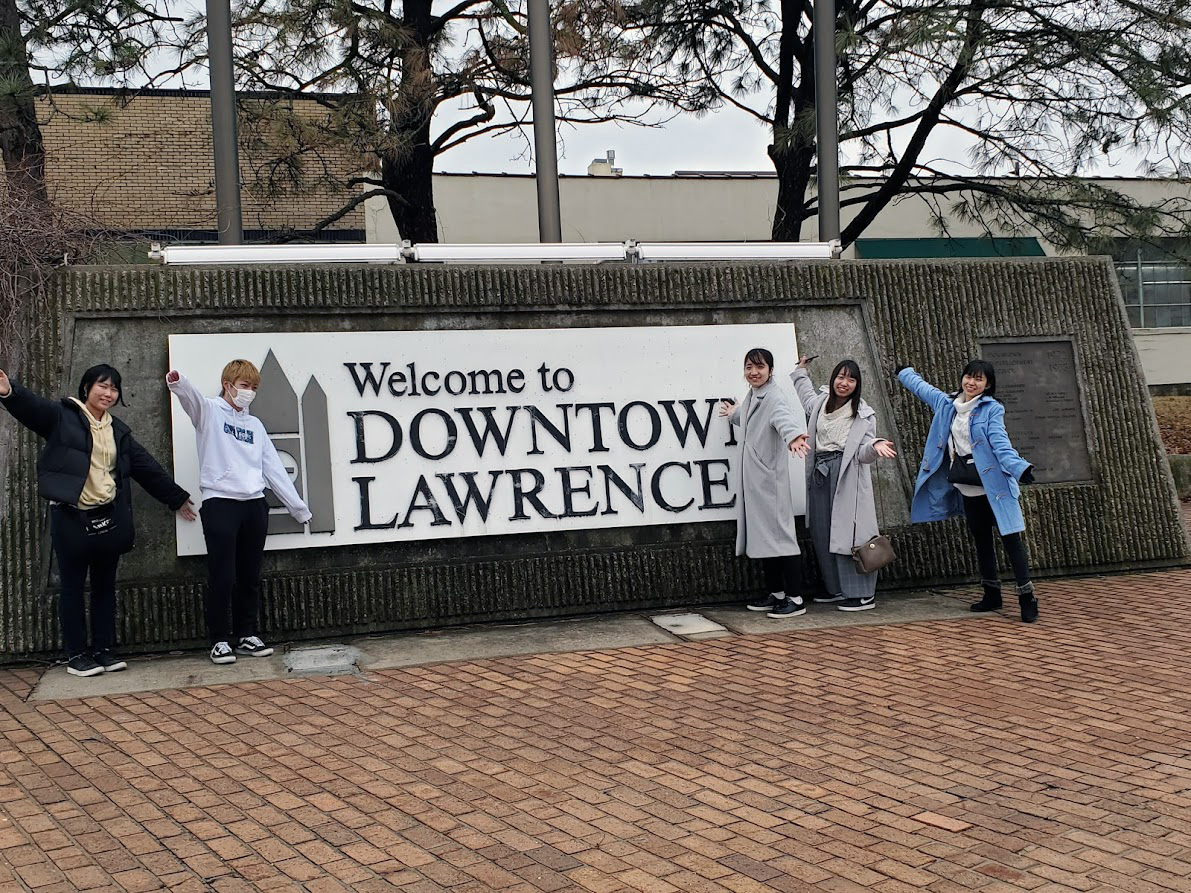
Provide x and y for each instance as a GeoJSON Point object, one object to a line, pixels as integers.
{"type": "Point", "coordinates": [629, 251]}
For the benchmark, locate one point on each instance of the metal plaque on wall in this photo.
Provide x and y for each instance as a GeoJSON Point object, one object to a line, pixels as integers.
{"type": "Point", "coordinates": [1037, 382]}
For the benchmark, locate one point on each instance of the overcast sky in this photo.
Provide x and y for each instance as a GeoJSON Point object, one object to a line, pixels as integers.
{"type": "Point", "coordinates": [726, 140]}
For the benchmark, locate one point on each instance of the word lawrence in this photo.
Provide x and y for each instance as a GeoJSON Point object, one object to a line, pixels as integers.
{"type": "Point", "coordinates": [548, 458]}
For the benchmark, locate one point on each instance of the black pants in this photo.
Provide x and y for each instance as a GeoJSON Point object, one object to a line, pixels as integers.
{"type": "Point", "coordinates": [235, 534]}
{"type": "Point", "coordinates": [982, 523]}
{"type": "Point", "coordinates": [75, 563]}
{"type": "Point", "coordinates": [783, 574]}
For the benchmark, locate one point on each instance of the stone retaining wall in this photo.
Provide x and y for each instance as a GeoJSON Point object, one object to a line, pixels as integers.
{"type": "Point", "coordinates": [932, 314]}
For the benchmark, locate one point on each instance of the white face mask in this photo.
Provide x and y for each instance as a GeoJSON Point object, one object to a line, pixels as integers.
{"type": "Point", "coordinates": [244, 398]}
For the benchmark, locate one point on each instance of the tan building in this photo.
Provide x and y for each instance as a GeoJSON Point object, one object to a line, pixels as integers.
{"type": "Point", "coordinates": [143, 162]}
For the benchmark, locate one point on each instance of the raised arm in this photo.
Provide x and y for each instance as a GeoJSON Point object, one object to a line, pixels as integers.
{"type": "Point", "coordinates": [39, 415]}
{"type": "Point", "coordinates": [194, 404]}
{"type": "Point", "coordinates": [804, 387]}
{"type": "Point", "coordinates": [281, 485]}
{"type": "Point", "coordinates": [922, 389]}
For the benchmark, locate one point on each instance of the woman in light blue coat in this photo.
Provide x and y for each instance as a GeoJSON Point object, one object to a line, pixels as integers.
{"type": "Point", "coordinates": [968, 429]}
{"type": "Point", "coordinates": [771, 429]}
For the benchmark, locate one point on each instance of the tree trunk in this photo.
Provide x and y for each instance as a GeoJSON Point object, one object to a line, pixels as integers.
{"type": "Point", "coordinates": [792, 153]}
{"type": "Point", "coordinates": [793, 167]}
{"type": "Point", "coordinates": [410, 175]}
{"type": "Point", "coordinates": [20, 136]}
{"type": "Point", "coordinates": [408, 172]}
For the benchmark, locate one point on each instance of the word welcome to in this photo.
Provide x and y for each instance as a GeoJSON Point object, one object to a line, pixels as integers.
{"type": "Point", "coordinates": [408, 382]}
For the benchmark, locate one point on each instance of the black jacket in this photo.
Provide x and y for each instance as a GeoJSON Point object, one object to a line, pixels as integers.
{"type": "Point", "coordinates": [65, 461]}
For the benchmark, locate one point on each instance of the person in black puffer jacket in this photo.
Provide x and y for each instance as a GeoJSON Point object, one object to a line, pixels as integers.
{"type": "Point", "coordinates": [85, 471]}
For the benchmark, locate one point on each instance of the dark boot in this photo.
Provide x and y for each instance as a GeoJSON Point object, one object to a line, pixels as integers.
{"type": "Point", "coordinates": [992, 597]}
{"type": "Point", "coordinates": [1028, 602]}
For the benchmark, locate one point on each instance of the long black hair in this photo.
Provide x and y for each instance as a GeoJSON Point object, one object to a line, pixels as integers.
{"type": "Point", "coordinates": [985, 368]}
{"type": "Point", "coordinates": [102, 372]}
{"type": "Point", "coordinates": [853, 372]}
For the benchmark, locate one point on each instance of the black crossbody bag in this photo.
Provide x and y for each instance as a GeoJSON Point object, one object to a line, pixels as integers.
{"type": "Point", "coordinates": [962, 470]}
{"type": "Point", "coordinates": [103, 530]}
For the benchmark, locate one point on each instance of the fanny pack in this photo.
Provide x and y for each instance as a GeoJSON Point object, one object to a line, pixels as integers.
{"type": "Point", "coordinates": [99, 521]}
{"type": "Point", "coordinates": [104, 529]}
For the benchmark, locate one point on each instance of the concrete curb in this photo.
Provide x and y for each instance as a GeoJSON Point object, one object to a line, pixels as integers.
{"type": "Point", "coordinates": [598, 633]}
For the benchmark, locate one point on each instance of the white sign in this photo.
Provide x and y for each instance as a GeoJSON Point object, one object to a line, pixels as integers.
{"type": "Point", "coordinates": [430, 435]}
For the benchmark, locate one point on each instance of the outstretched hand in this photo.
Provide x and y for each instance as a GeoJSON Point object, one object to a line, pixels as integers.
{"type": "Point", "coordinates": [884, 450]}
{"type": "Point", "coordinates": [799, 446]}
{"type": "Point", "coordinates": [727, 407]}
{"type": "Point", "coordinates": [187, 513]}
{"type": "Point", "coordinates": [5, 384]}
{"type": "Point", "coordinates": [803, 362]}
{"type": "Point", "coordinates": [172, 376]}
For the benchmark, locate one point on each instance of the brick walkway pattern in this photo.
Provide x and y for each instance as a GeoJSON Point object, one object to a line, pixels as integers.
{"type": "Point", "coordinates": [975, 754]}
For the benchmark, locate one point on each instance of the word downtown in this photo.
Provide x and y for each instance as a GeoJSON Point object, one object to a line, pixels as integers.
{"type": "Point", "coordinates": [554, 486]}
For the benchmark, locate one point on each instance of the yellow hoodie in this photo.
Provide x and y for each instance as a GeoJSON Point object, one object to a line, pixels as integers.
{"type": "Point", "coordinates": [100, 486]}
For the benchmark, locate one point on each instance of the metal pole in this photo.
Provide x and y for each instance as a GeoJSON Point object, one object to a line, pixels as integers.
{"type": "Point", "coordinates": [223, 122]}
{"type": "Point", "coordinates": [827, 120]}
{"type": "Point", "coordinates": [1141, 294]}
{"type": "Point", "coordinates": [541, 84]}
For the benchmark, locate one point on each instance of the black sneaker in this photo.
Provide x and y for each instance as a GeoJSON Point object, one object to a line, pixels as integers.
{"type": "Point", "coordinates": [828, 599]}
{"type": "Point", "coordinates": [253, 647]}
{"type": "Point", "coordinates": [764, 603]}
{"type": "Point", "coordinates": [789, 607]}
{"type": "Point", "coordinates": [859, 604]}
{"type": "Point", "coordinates": [221, 653]}
{"type": "Point", "coordinates": [83, 665]}
{"type": "Point", "coordinates": [109, 662]}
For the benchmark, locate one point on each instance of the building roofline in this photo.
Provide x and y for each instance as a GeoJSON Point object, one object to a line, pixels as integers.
{"type": "Point", "coordinates": [760, 175]}
{"type": "Point", "coordinates": [180, 93]}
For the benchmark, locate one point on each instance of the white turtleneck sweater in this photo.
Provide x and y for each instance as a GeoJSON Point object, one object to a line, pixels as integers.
{"type": "Point", "coordinates": [961, 438]}
{"type": "Point", "coordinates": [832, 428]}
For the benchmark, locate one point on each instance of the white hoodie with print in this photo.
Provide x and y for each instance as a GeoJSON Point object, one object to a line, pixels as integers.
{"type": "Point", "coordinates": [237, 459]}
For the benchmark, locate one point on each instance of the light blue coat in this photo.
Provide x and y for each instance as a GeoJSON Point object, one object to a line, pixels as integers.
{"type": "Point", "coordinates": [999, 465]}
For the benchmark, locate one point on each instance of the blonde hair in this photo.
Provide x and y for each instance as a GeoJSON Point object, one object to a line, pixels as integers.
{"type": "Point", "coordinates": [241, 370]}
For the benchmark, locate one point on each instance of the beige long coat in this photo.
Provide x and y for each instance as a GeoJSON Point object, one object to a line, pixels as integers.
{"type": "Point", "coordinates": [853, 510]}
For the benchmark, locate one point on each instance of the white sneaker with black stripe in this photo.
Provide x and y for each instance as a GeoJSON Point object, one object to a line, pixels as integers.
{"type": "Point", "coordinates": [222, 654]}
{"type": "Point", "coordinates": [252, 646]}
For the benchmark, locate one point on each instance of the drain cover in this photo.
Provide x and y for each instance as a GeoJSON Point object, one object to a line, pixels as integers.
{"type": "Point", "coordinates": [322, 660]}
{"type": "Point", "coordinates": [691, 625]}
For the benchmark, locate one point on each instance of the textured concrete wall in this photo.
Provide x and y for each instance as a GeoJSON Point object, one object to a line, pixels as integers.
{"type": "Point", "coordinates": [933, 315]}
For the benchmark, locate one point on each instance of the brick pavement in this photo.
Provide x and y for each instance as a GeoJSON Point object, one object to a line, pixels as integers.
{"type": "Point", "coordinates": [945, 756]}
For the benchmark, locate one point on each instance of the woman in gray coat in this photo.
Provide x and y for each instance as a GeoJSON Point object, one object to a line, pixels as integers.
{"type": "Point", "coordinates": [842, 430]}
{"type": "Point", "coordinates": [771, 429]}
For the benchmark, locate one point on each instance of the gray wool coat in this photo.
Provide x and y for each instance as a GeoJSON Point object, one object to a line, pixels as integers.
{"type": "Point", "coordinates": [853, 511]}
{"type": "Point", "coordinates": [768, 420]}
